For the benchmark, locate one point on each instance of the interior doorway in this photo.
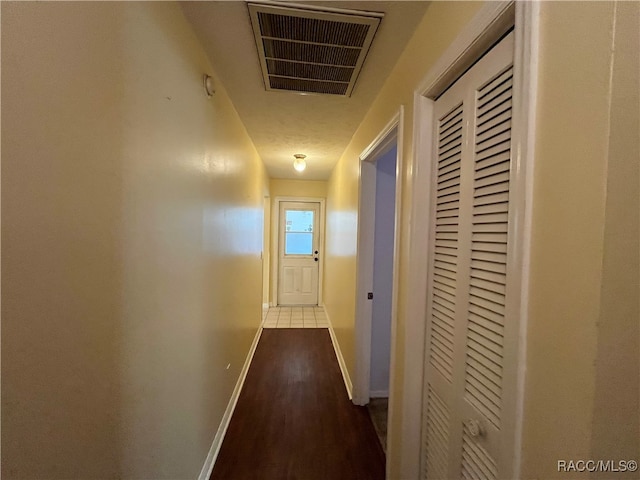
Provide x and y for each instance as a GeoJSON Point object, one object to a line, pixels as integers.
{"type": "Point", "coordinates": [383, 262]}
{"type": "Point", "coordinates": [377, 278]}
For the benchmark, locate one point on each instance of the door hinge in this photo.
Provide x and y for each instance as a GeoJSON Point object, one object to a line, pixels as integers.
{"type": "Point", "coordinates": [370, 296]}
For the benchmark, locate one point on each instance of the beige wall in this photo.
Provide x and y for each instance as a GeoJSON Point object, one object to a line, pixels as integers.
{"type": "Point", "coordinates": [282, 187]}
{"type": "Point", "coordinates": [131, 234]}
{"type": "Point", "coordinates": [438, 28]}
{"type": "Point", "coordinates": [582, 380]}
{"type": "Point", "coordinates": [616, 411]}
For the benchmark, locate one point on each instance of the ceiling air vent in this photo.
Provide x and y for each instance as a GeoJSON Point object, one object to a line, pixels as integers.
{"type": "Point", "coordinates": [309, 50]}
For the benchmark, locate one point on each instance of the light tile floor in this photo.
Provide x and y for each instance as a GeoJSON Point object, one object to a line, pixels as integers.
{"type": "Point", "coordinates": [296, 317]}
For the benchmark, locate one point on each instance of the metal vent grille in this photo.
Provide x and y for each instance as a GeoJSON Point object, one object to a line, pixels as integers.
{"type": "Point", "coordinates": [311, 51]}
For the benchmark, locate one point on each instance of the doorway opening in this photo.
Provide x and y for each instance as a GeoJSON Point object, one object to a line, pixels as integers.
{"type": "Point", "coordinates": [377, 278]}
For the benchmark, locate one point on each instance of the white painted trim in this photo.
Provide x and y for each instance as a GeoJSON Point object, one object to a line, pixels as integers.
{"type": "Point", "coordinates": [416, 300]}
{"type": "Point", "coordinates": [210, 461]}
{"type": "Point", "coordinates": [493, 19]}
{"type": "Point", "coordinates": [275, 219]}
{"type": "Point", "coordinates": [383, 141]}
{"type": "Point", "coordinates": [343, 366]}
{"type": "Point", "coordinates": [379, 394]}
{"type": "Point", "coordinates": [275, 232]}
{"type": "Point", "coordinates": [489, 24]}
{"type": "Point", "coordinates": [389, 136]}
{"type": "Point", "coordinates": [364, 281]}
{"type": "Point", "coordinates": [526, 62]}
{"type": "Point", "coordinates": [392, 409]}
{"type": "Point", "coordinates": [266, 250]}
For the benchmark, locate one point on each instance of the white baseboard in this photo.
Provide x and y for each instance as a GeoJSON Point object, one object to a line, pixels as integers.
{"type": "Point", "coordinates": [226, 418]}
{"type": "Point", "coordinates": [343, 366]}
{"type": "Point", "coordinates": [379, 394]}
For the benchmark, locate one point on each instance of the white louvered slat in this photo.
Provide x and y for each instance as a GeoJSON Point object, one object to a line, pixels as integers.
{"type": "Point", "coordinates": [488, 295]}
{"type": "Point", "coordinates": [477, 464]}
{"type": "Point", "coordinates": [436, 447]}
{"type": "Point", "coordinates": [443, 278]}
{"type": "Point", "coordinates": [491, 170]}
{"type": "Point", "coordinates": [494, 154]}
{"type": "Point", "coordinates": [499, 116]}
{"type": "Point", "coordinates": [470, 338]}
{"type": "Point", "coordinates": [485, 346]}
{"type": "Point", "coordinates": [493, 373]}
{"type": "Point", "coordinates": [487, 278]}
{"type": "Point", "coordinates": [489, 88]}
{"type": "Point", "coordinates": [492, 199]}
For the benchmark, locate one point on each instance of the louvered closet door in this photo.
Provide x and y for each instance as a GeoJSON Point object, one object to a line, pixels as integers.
{"type": "Point", "coordinates": [463, 424]}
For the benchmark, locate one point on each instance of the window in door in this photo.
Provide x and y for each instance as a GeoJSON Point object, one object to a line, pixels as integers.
{"type": "Point", "coordinates": [299, 232]}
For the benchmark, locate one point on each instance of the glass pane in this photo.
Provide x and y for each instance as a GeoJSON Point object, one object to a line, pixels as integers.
{"type": "Point", "coordinates": [298, 243]}
{"type": "Point", "coordinates": [299, 220]}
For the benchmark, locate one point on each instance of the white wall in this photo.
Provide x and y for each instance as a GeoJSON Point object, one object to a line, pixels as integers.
{"type": "Point", "coordinates": [383, 273]}
{"type": "Point", "coordinates": [131, 236]}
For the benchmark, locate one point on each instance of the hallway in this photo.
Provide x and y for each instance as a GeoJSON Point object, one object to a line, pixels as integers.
{"type": "Point", "coordinates": [294, 420]}
{"type": "Point", "coordinates": [147, 148]}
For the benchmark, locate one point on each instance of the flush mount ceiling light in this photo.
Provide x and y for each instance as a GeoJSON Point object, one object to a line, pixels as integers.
{"type": "Point", "coordinates": [299, 164]}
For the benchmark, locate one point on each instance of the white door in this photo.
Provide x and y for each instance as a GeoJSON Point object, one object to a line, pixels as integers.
{"type": "Point", "coordinates": [298, 260]}
{"type": "Point", "coordinates": [466, 427]}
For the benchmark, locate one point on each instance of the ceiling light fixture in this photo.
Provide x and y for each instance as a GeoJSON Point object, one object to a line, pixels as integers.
{"type": "Point", "coordinates": [299, 164]}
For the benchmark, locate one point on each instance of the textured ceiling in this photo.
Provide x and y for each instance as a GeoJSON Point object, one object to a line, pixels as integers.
{"type": "Point", "coordinates": [282, 123]}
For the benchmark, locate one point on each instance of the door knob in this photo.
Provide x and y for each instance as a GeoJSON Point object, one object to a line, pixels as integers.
{"type": "Point", "coordinates": [475, 428]}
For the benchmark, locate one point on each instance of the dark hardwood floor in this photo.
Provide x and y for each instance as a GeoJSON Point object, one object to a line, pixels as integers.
{"type": "Point", "coordinates": [294, 420]}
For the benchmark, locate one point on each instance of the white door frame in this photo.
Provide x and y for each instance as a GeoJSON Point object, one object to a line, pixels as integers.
{"type": "Point", "coordinates": [390, 136]}
{"type": "Point", "coordinates": [275, 233]}
{"type": "Point", "coordinates": [489, 24]}
{"type": "Point", "coordinates": [266, 251]}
